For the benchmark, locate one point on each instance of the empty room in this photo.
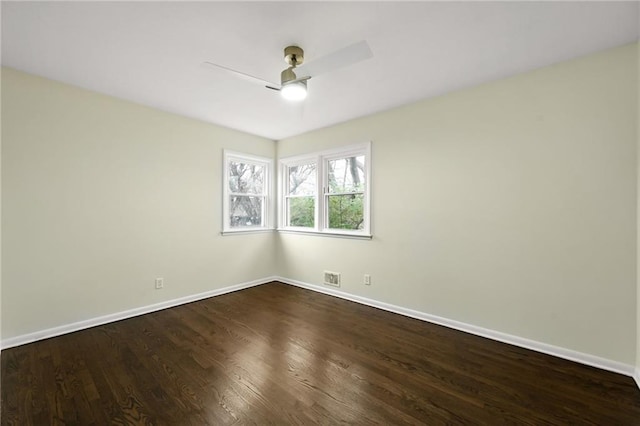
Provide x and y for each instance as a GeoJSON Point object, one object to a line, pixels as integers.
{"type": "Point", "coordinates": [320, 213]}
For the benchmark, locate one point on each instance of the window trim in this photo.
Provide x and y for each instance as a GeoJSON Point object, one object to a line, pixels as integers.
{"type": "Point", "coordinates": [267, 195]}
{"type": "Point", "coordinates": [321, 159]}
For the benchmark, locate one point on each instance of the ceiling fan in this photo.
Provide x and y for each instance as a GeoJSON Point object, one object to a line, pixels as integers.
{"type": "Point", "coordinates": [293, 80]}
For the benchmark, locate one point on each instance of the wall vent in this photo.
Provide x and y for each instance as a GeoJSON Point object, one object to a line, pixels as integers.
{"type": "Point", "coordinates": [332, 278]}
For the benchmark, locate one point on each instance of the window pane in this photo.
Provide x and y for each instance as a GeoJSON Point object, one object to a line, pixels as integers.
{"type": "Point", "coordinates": [246, 178]}
{"type": "Point", "coordinates": [346, 211]}
{"type": "Point", "coordinates": [301, 211]}
{"type": "Point", "coordinates": [346, 174]}
{"type": "Point", "coordinates": [302, 179]}
{"type": "Point", "coordinates": [245, 211]}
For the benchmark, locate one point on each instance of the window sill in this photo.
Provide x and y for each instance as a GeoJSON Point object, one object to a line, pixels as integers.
{"type": "Point", "coordinates": [247, 231]}
{"type": "Point", "coordinates": [327, 234]}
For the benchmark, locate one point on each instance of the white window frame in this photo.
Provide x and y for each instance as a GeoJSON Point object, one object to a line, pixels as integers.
{"type": "Point", "coordinates": [321, 160]}
{"type": "Point", "coordinates": [284, 172]}
{"type": "Point", "coordinates": [267, 195]}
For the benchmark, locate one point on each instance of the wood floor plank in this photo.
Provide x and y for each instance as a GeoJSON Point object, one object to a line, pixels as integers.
{"type": "Point", "coordinates": [277, 354]}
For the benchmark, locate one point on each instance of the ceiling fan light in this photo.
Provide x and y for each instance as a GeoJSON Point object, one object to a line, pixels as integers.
{"type": "Point", "coordinates": [294, 91]}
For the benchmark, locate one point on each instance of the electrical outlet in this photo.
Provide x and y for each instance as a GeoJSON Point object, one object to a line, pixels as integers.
{"type": "Point", "coordinates": [367, 279]}
{"type": "Point", "coordinates": [159, 283]}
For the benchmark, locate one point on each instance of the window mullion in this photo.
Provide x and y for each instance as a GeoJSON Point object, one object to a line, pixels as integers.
{"type": "Point", "coordinates": [320, 194]}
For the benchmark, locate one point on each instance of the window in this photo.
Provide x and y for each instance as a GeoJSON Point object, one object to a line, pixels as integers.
{"type": "Point", "coordinates": [327, 192]}
{"type": "Point", "coordinates": [300, 198]}
{"type": "Point", "coordinates": [247, 189]}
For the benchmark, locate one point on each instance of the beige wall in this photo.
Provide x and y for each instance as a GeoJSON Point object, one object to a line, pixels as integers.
{"type": "Point", "coordinates": [1, 72]}
{"type": "Point", "coordinates": [510, 206]}
{"type": "Point", "coordinates": [637, 376]}
{"type": "Point", "coordinates": [101, 196]}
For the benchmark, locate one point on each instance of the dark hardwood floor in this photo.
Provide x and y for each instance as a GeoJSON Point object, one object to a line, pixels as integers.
{"type": "Point", "coordinates": [276, 354]}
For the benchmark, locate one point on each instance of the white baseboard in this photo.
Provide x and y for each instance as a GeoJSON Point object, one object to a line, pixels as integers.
{"type": "Point", "coordinates": [580, 357]}
{"type": "Point", "coordinates": [636, 377]}
{"type": "Point", "coordinates": [92, 322]}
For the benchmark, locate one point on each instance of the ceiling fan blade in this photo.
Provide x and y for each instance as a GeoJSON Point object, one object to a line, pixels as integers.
{"type": "Point", "coordinates": [244, 76]}
{"type": "Point", "coordinates": [339, 59]}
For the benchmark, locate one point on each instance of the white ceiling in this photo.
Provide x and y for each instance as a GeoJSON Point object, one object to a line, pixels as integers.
{"type": "Point", "coordinates": [151, 53]}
